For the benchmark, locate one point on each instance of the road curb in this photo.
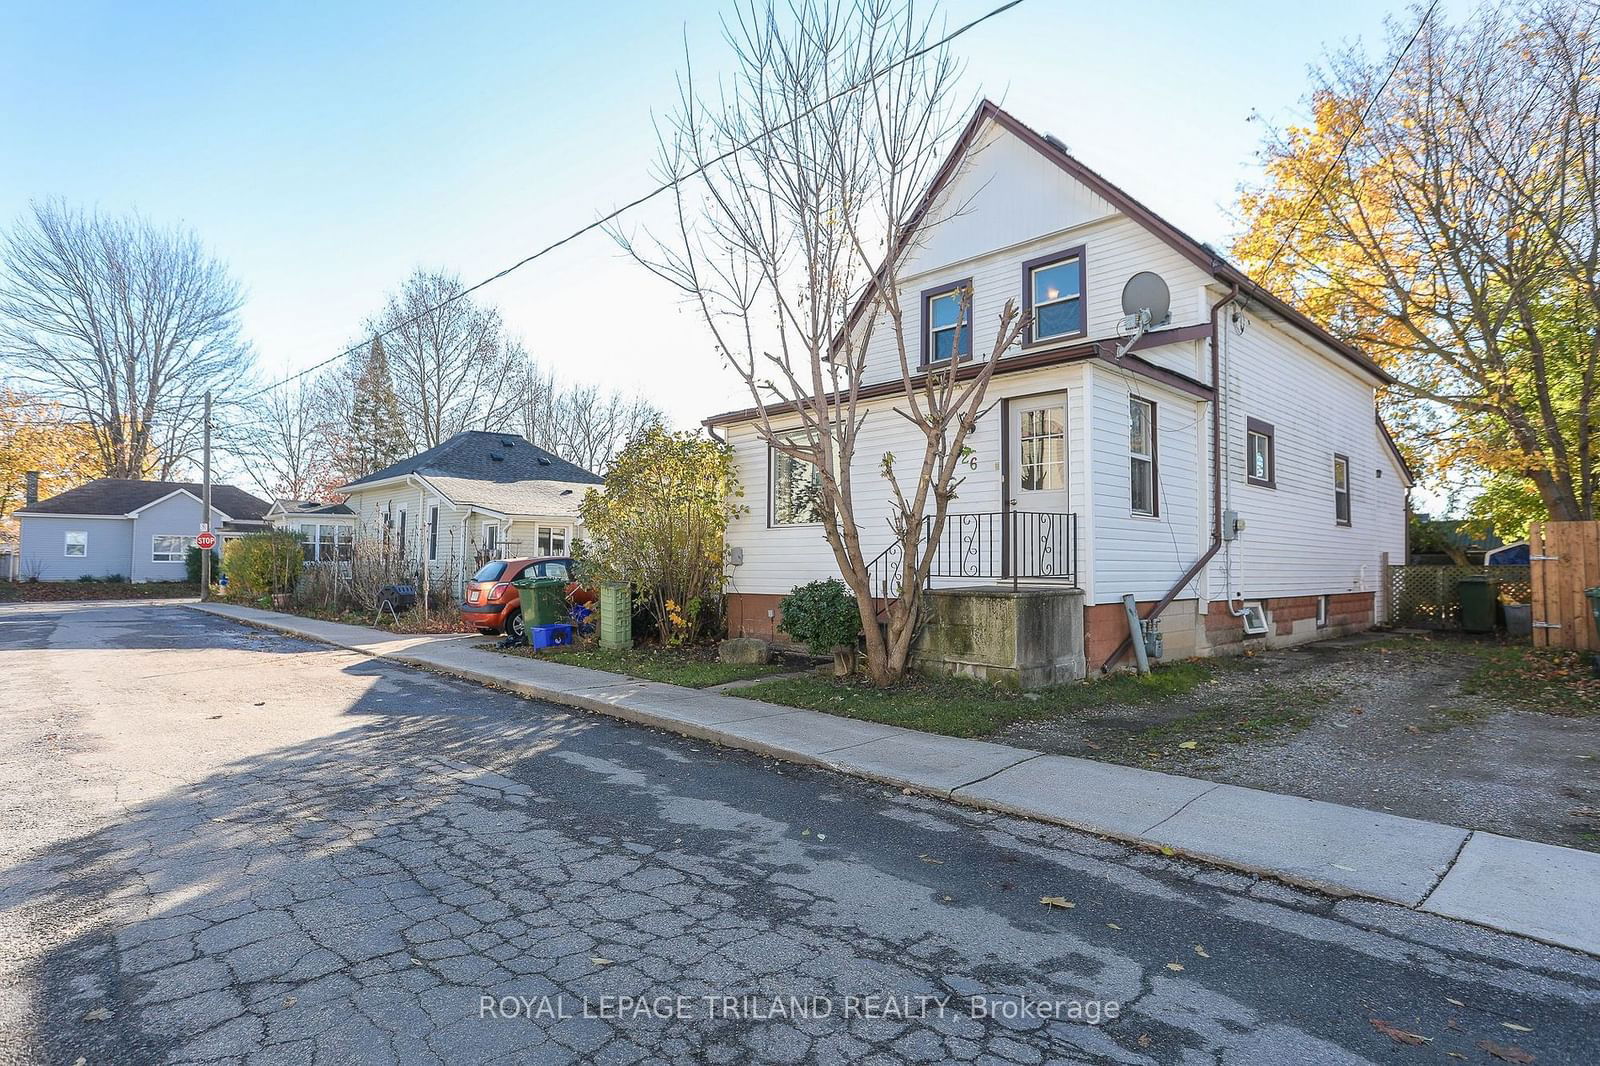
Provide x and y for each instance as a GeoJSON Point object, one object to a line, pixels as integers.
{"type": "Point", "coordinates": [1543, 892]}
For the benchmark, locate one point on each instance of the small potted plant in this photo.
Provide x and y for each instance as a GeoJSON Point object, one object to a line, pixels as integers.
{"type": "Point", "coordinates": [823, 617]}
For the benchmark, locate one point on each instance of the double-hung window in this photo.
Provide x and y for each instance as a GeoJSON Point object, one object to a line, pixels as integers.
{"type": "Point", "coordinates": [77, 544]}
{"type": "Point", "coordinates": [168, 548]}
{"type": "Point", "coordinates": [947, 323]}
{"type": "Point", "coordinates": [796, 491]}
{"type": "Point", "coordinates": [552, 540]}
{"type": "Point", "coordinates": [1054, 292]}
{"type": "Point", "coordinates": [1341, 489]}
{"type": "Point", "coordinates": [1142, 455]}
{"type": "Point", "coordinates": [433, 533]}
{"type": "Point", "coordinates": [1259, 460]}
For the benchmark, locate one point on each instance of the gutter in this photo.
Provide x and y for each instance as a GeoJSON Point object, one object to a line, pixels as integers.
{"type": "Point", "coordinates": [1217, 475]}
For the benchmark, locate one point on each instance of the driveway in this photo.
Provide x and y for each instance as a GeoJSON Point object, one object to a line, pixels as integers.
{"type": "Point", "coordinates": [220, 845]}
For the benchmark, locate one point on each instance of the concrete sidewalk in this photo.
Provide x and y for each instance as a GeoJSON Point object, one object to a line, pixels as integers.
{"type": "Point", "coordinates": [1542, 891]}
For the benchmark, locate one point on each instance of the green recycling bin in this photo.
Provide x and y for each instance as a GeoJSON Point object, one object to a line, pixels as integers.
{"type": "Point", "coordinates": [616, 614]}
{"type": "Point", "coordinates": [1478, 594]}
{"type": "Point", "coordinates": [544, 600]}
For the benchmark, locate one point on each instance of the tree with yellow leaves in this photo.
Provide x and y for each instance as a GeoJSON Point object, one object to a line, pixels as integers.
{"type": "Point", "coordinates": [37, 435]}
{"type": "Point", "coordinates": [1447, 220]}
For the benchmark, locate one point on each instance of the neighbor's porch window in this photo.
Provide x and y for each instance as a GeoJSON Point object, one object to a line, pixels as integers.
{"type": "Point", "coordinates": [552, 540]}
{"type": "Point", "coordinates": [796, 491]}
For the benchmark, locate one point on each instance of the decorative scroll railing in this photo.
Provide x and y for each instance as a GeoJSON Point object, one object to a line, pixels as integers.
{"type": "Point", "coordinates": [993, 545]}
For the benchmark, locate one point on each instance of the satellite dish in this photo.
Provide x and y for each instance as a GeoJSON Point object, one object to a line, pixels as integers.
{"type": "Point", "coordinates": [1145, 291]}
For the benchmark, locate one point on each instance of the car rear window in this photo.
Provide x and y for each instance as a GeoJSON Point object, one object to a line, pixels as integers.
{"type": "Point", "coordinates": [491, 571]}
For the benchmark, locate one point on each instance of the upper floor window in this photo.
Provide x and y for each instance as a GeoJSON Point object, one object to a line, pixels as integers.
{"type": "Point", "coordinates": [796, 491]}
{"type": "Point", "coordinates": [1260, 462]}
{"type": "Point", "coordinates": [1054, 293]}
{"type": "Point", "coordinates": [1142, 455]}
{"type": "Point", "coordinates": [947, 323]}
{"type": "Point", "coordinates": [1341, 490]}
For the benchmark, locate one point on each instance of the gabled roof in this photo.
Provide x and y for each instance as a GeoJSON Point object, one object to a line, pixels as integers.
{"type": "Point", "coordinates": [554, 498]}
{"type": "Point", "coordinates": [288, 507]}
{"type": "Point", "coordinates": [121, 497]}
{"type": "Point", "coordinates": [1200, 254]}
{"type": "Point", "coordinates": [477, 455]}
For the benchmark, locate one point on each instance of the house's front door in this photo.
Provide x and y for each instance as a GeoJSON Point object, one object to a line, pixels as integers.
{"type": "Point", "coordinates": [1037, 502]}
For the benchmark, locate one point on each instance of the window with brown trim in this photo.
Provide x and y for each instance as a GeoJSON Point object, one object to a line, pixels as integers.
{"type": "Point", "coordinates": [1341, 489]}
{"type": "Point", "coordinates": [1142, 456]}
{"type": "Point", "coordinates": [947, 323]}
{"type": "Point", "coordinates": [1053, 296]}
{"type": "Point", "coordinates": [1260, 454]}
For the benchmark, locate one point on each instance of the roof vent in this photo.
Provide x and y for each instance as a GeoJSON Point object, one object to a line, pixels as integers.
{"type": "Point", "coordinates": [507, 443]}
{"type": "Point", "coordinates": [1055, 142]}
{"type": "Point", "coordinates": [493, 458]}
{"type": "Point", "coordinates": [566, 492]}
{"type": "Point", "coordinates": [544, 460]}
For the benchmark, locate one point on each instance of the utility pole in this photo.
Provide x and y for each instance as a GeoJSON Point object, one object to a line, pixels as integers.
{"type": "Point", "coordinates": [205, 500]}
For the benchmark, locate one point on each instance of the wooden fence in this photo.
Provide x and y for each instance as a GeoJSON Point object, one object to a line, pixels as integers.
{"type": "Point", "coordinates": [1565, 560]}
{"type": "Point", "coordinates": [1426, 597]}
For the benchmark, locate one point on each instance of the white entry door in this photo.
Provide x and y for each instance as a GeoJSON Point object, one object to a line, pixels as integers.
{"type": "Point", "coordinates": [1037, 525]}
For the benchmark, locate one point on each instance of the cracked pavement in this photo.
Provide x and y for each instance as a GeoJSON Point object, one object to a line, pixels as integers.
{"type": "Point", "coordinates": [221, 845]}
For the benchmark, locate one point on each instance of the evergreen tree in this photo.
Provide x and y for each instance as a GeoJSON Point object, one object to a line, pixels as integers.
{"type": "Point", "coordinates": [377, 434]}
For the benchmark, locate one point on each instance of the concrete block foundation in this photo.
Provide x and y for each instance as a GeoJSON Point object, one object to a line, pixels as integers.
{"type": "Point", "coordinates": [1020, 637]}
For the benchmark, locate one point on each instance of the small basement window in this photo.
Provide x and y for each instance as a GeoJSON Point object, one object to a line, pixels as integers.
{"type": "Point", "coordinates": [1322, 612]}
{"type": "Point", "coordinates": [1255, 620]}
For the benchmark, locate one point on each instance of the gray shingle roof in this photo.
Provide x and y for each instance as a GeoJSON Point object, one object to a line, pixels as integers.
{"type": "Point", "coordinates": [311, 507]}
{"type": "Point", "coordinates": [118, 496]}
{"type": "Point", "coordinates": [477, 455]}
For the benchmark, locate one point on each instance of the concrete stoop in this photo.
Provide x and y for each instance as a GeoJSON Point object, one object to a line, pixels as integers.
{"type": "Point", "coordinates": [1541, 891]}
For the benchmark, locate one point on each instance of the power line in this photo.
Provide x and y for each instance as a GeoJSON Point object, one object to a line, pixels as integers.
{"type": "Point", "coordinates": [1366, 112]}
{"type": "Point", "coordinates": [640, 200]}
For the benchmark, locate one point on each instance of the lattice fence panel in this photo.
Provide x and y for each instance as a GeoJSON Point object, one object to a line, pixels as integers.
{"type": "Point", "coordinates": [1425, 597]}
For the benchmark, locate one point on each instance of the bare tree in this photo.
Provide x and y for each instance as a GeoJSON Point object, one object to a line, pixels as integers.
{"type": "Point", "coordinates": [583, 424]}
{"type": "Point", "coordinates": [447, 363]}
{"type": "Point", "coordinates": [780, 243]}
{"type": "Point", "coordinates": [125, 325]}
{"type": "Point", "coordinates": [283, 444]}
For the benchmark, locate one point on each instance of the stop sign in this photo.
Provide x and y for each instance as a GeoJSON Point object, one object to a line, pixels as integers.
{"type": "Point", "coordinates": [206, 541]}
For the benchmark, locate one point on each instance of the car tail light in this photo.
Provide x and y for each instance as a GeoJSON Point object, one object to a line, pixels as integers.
{"type": "Point", "coordinates": [499, 590]}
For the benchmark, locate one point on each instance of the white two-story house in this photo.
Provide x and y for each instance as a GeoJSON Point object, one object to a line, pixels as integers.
{"type": "Point", "coordinates": [1167, 429]}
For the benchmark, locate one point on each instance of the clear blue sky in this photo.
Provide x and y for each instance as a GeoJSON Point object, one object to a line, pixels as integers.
{"type": "Point", "coordinates": [324, 150]}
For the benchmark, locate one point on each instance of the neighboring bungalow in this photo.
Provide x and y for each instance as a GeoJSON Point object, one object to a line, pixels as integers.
{"type": "Point", "coordinates": [475, 497]}
{"type": "Point", "coordinates": [1151, 364]}
{"type": "Point", "coordinates": [328, 529]}
{"type": "Point", "coordinates": [138, 530]}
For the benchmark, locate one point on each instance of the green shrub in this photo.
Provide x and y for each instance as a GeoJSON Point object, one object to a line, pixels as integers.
{"type": "Point", "coordinates": [263, 563]}
{"type": "Point", "coordinates": [821, 615]}
{"type": "Point", "coordinates": [114, 579]}
{"type": "Point", "coordinates": [191, 564]}
{"type": "Point", "coordinates": [88, 578]}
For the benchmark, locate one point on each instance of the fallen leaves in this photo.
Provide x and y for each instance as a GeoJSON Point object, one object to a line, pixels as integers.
{"type": "Point", "coordinates": [289, 1001]}
{"type": "Point", "coordinates": [1200, 951]}
{"type": "Point", "coordinates": [1506, 1054]}
{"type": "Point", "coordinates": [1113, 925]}
{"type": "Point", "coordinates": [1057, 901]}
{"type": "Point", "coordinates": [1515, 1028]}
{"type": "Point", "coordinates": [1189, 744]}
{"type": "Point", "coordinates": [1395, 1033]}
{"type": "Point", "coordinates": [99, 1014]}
{"type": "Point", "coordinates": [1454, 1002]}
{"type": "Point", "coordinates": [930, 860]}
{"type": "Point", "coordinates": [1175, 967]}
{"type": "Point", "coordinates": [599, 961]}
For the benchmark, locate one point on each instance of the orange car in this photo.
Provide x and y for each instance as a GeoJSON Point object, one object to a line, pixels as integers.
{"type": "Point", "coordinates": [493, 606]}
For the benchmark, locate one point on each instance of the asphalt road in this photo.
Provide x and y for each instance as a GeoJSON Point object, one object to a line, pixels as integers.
{"type": "Point", "coordinates": [220, 845]}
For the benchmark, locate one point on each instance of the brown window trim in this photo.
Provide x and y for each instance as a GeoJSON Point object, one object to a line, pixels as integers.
{"type": "Point", "coordinates": [1255, 425]}
{"type": "Point", "coordinates": [1349, 491]}
{"type": "Point", "coordinates": [1029, 266]}
{"type": "Point", "coordinates": [1155, 461]}
{"type": "Point", "coordinates": [942, 290]}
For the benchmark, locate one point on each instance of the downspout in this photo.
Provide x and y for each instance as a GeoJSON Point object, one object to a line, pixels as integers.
{"type": "Point", "coordinates": [1217, 475]}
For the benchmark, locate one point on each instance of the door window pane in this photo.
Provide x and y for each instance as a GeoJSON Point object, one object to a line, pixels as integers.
{"type": "Point", "coordinates": [1042, 448]}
